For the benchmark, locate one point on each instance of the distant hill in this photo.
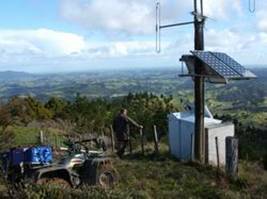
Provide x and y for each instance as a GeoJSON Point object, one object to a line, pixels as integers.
{"type": "Point", "coordinates": [13, 75]}
{"type": "Point", "coordinates": [120, 83]}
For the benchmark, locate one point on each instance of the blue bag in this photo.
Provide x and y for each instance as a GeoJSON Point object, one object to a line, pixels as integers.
{"type": "Point", "coordinates": [39, 155]}
{"type": "Point", "coordinates": [16, 156]}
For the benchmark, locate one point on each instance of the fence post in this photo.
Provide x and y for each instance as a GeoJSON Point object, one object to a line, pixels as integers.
{"type": "Point", "coordinates": [41, 137]}
{"type": "Point", "coordinates": [156, 140]}
{"type": "Point", "coordinates": [192, 146]}
{"type": "Point", "coordinates": [56, 141]}
{"type": "Point", "coordinates": [217, 152]}
{"type": "Point", "coordinates": [231, 166]}
{"type": "Point", "coordinates": [130, 140]}
{"type": "Point", "coordinates": [142, 140]}
{"type": "Point", "coordinates": [112, 138]}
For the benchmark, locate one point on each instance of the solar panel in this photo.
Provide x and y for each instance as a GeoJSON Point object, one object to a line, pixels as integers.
{"type": "Point", "coordinates": [234, 65]}
{"type": "Point", "coordinates": [216, 64]}
{"type": "Point", "coordinates": [223, 65]}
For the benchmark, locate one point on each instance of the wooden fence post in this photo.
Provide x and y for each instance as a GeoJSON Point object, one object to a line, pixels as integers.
{"type": "Point", "coordinates": [56, 141]}
{"type": "Point", "coordinates": [142, 140]}
{"type": "Point", "coordinates": [112, 138]}
{"type": "Point", "coordinates": [231, 166]}
{"type": "Point", "coordinates": [156, 140]}
{"type": "Point", "coordinates": [130, 140]}
{"type": "Point", "coordinates": [41, 137]}
{"type": "Point", "coordinates": [192, 146]}
{"type": "Point", "coordinates": [217, 152]}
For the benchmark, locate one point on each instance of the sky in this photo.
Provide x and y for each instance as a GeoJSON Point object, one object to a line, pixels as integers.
{"type": "Point", "coordinates": [79, 35]}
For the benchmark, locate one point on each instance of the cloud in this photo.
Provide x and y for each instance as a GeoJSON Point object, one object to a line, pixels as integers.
{"type": "Point", "coordinates": [229, 40]}
{"type": "Point", "coordinates": [120, 49]}
{"type": "Point", "coordinates": [124, 16]}
{"type": "Point", "coordinates": [131, 16]}
{"type": "Point", "coordinates": [222, 9]}
{"type": "Point", "coordinates": [44, 42]}
{"type": "Point", "coordinates": [46, 47]}
{"type": "Point", "coordinates": [261, 16]}
{"type": "Point", "coordinates": [137, 16]}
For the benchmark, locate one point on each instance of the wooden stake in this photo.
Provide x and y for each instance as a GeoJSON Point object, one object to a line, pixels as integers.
{"type": "Point", "coordinates": [192, 146]}
{"type": "Point", "coordinates": [130, 140]}
{"type": "Point", "coordinates": [231, 166]}
{"type": "Point", "coordinates": [41, 137]}
{"type": "Point", "coordinates": [217, 153]}
{"type": "Point", "coordinates": [112, 138]}
{"type": "Point", "coordinates": [142, 140]}
{"type": "Point", "coordinates": [156, 141]}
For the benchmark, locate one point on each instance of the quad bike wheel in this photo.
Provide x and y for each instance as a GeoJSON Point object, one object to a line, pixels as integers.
{"type": "Point", "coordinates": [106, 176]}
{"type": "Point", "coordinates": [54, 182]}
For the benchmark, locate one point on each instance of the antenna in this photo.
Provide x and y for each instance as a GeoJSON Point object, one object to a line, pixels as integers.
{"type": "Point", "coordinates": [159, 26]}
{"type": "Point", "coordinates": [158, 31]}
{"type": "Point", "coordinates": [252, 6]}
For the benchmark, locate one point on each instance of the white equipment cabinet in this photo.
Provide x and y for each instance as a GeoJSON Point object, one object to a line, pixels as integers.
{"type": "Point", "coordinates": [181, 136]}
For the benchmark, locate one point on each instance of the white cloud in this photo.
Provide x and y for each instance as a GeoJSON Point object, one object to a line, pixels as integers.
{"type": "Point", "coordinates": [261, 16]}
{"type": "Point", "coordinates": [131, 16]}
{"type": "Point", "coordinates": [222, 8]}
{"type": "Point", "coordinates": [120, 49]}
{"type": "Point", "coordinates": [229, 40]}
{"type": "Point", "coordinates": [137, 16]}
{"type": "Point", "coordinates": [50, 47]}
{"type": "Point", "coordinates": [127, 16]}
{"type": "Point", "coordinates": [40, 42]}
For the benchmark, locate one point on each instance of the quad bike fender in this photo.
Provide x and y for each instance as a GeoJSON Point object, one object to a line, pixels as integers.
{"type": "Point", "coordinates": [59, 172]}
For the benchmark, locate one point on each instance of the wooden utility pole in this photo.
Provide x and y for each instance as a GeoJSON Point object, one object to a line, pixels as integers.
{"type": "Point", "coordinates": [199, 89]}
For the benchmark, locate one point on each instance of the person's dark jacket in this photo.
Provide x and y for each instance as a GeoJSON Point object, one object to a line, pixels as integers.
{"type": "Point", "coordinates": [120, 126]}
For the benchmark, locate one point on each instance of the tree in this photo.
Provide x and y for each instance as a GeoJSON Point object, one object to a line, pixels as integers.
{"type": "Point", "coordinates": [6, 135]}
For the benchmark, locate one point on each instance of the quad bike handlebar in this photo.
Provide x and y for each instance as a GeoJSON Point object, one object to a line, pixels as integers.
{"type": "Point", "coordinates": [76, 146]}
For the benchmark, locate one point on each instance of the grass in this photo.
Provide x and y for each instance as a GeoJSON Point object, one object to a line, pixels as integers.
{"type": "Point", "coordinates": [161, 176]}
{"type": "Point", "coordinates": [26, 136]}
{"type": "Point", "coordinates": [154, 176]}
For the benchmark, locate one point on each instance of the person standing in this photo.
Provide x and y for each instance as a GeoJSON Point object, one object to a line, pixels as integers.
{"type": "Point", "coordinates": [120, 127]}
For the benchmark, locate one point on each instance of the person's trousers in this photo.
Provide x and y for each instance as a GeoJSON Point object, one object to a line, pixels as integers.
{"type": "Point", "coordinates": [121, 146]}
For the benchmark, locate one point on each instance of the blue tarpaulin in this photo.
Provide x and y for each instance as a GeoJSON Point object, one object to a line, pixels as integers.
{"type": "Point", "coordinates": [39, 155]}
{"type": "Point", "coordinates": [31, 155]}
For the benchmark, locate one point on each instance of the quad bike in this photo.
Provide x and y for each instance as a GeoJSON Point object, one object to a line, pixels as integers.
{"type": "Point", "coordinates": [80, 166]}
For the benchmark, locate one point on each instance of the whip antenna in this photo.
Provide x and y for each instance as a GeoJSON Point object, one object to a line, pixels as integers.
{"type": "Point", "coordinates": [252, 5]}
{"type": "Point", "coordinates": [159, 26]}
{"type": "Point", "coordinates": [158, 31]}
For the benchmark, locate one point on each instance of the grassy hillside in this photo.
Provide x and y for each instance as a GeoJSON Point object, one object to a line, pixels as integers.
{"type": "Point", "coordinates": [162, 176]}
